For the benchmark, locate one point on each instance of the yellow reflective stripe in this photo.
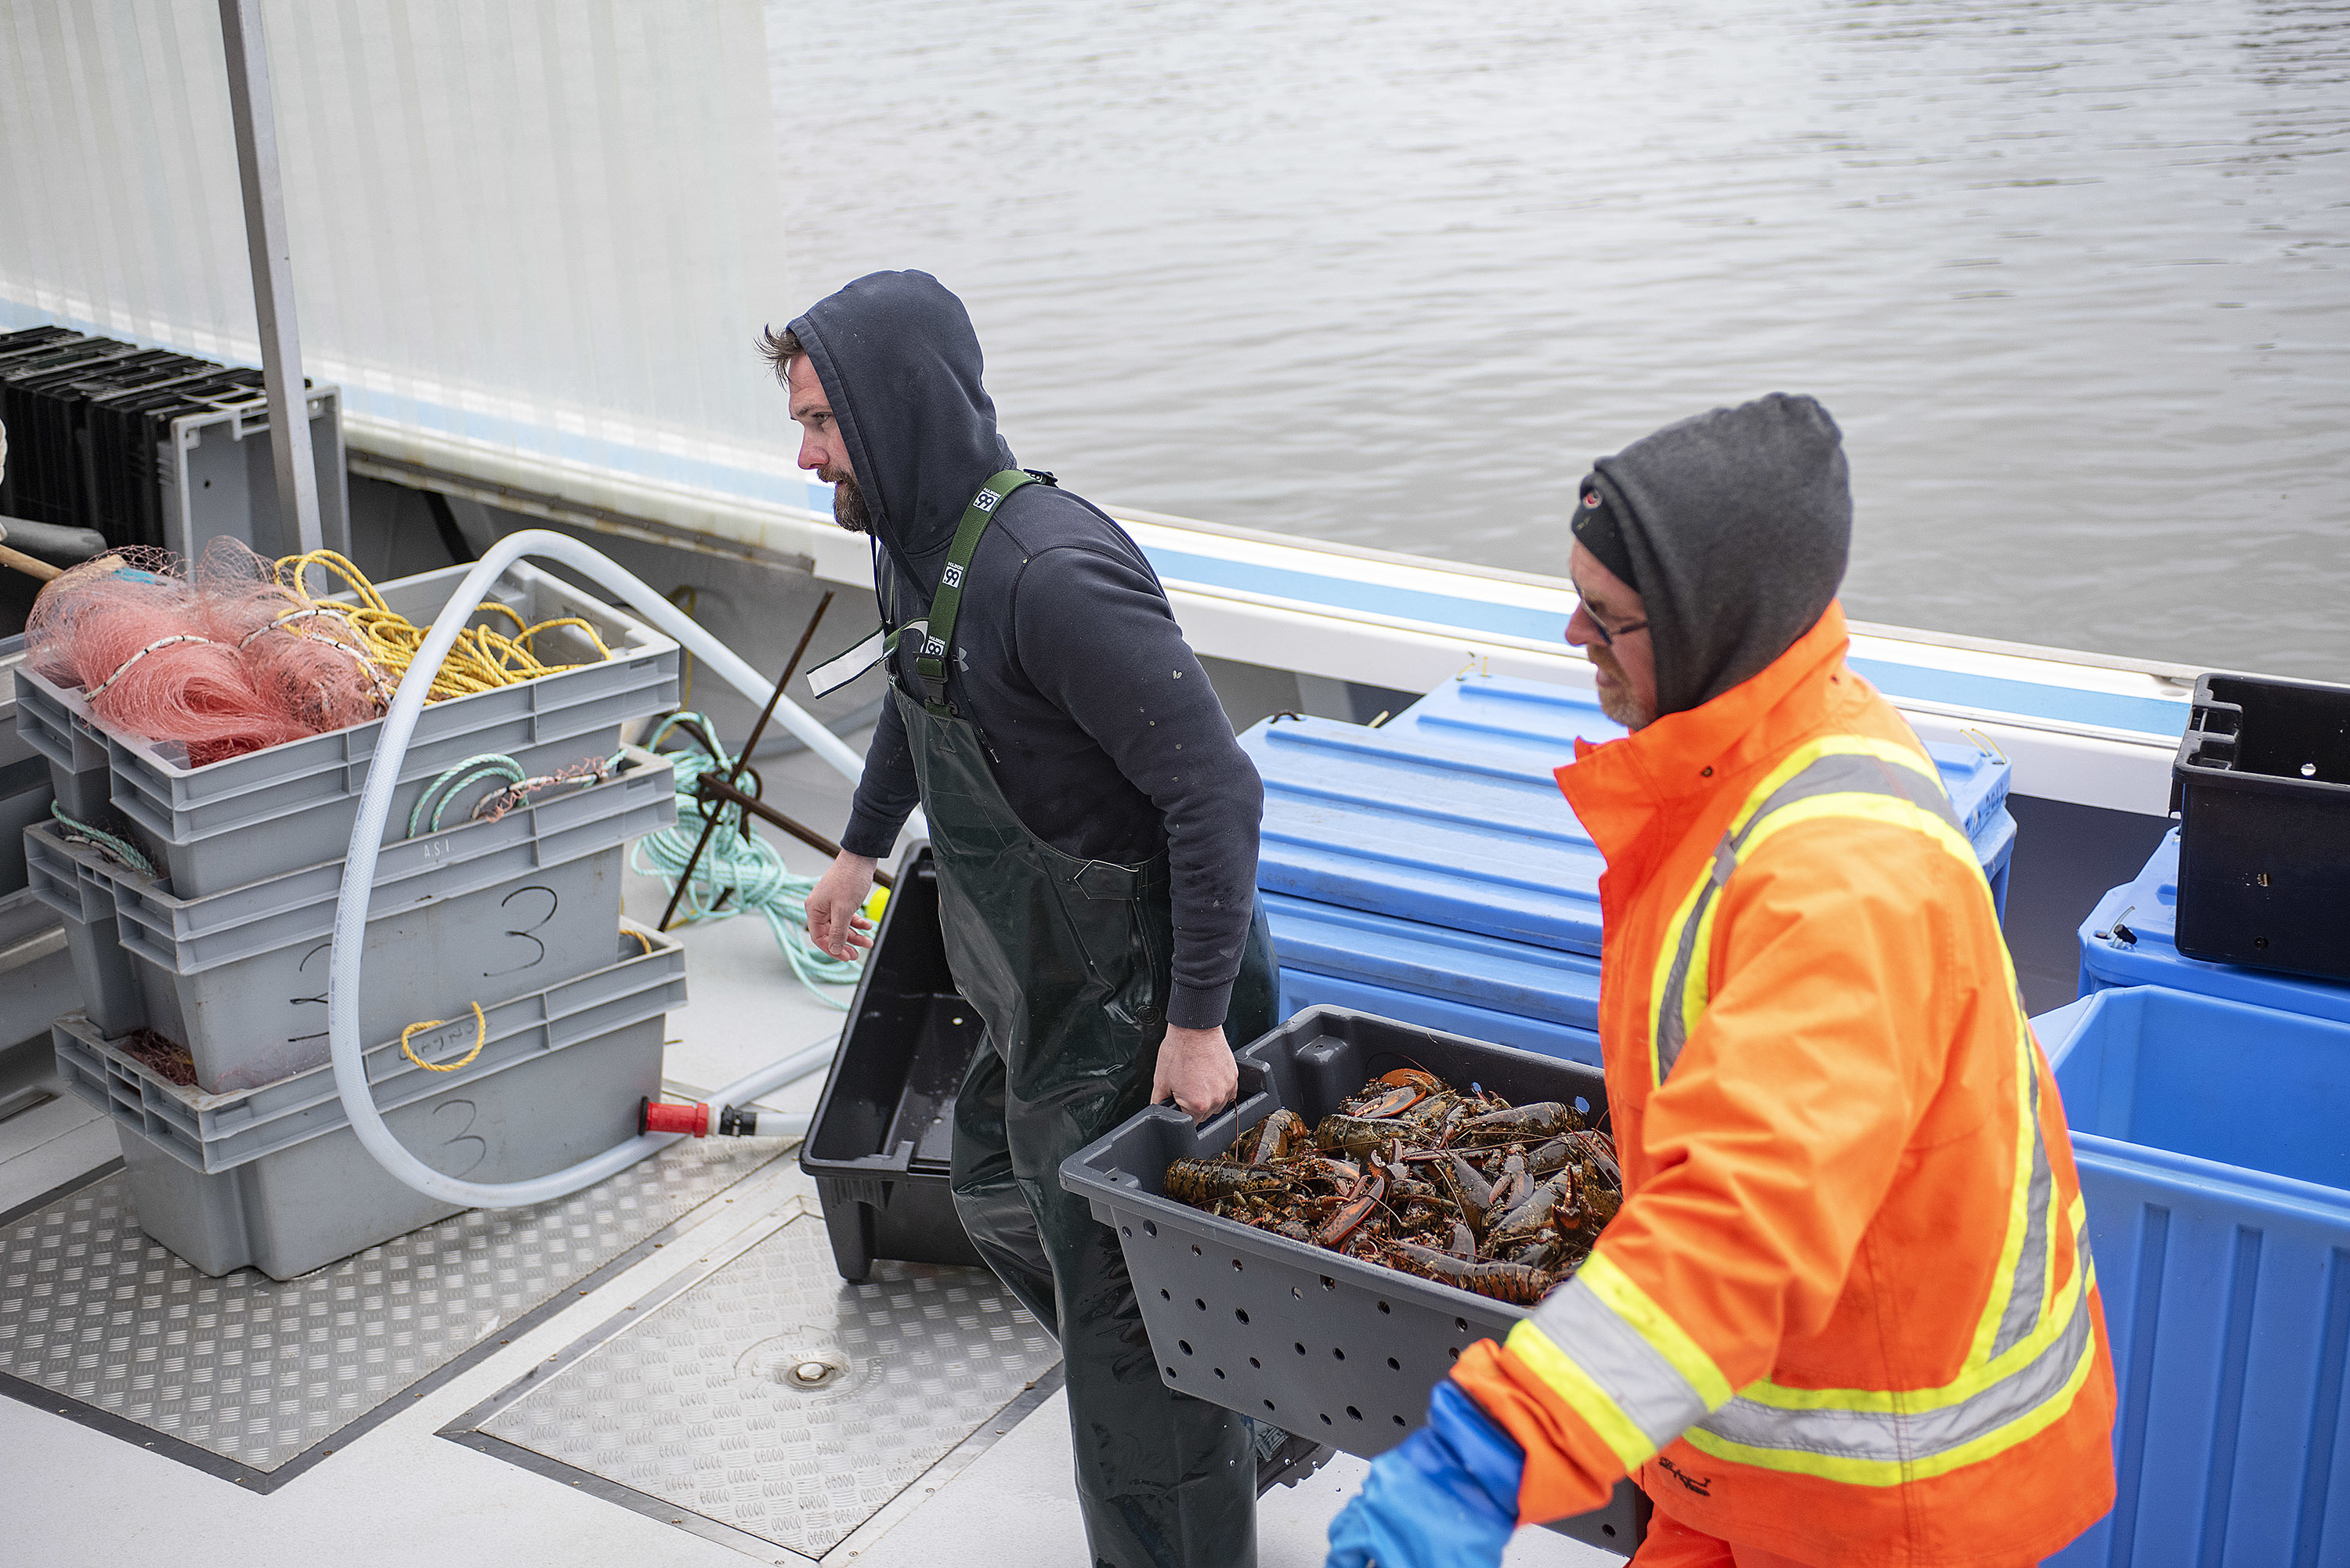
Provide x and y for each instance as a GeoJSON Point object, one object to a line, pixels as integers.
{"type": "Point", "coordinates": [1613, 1286]}
{"type": "Point", "coordinates": [1584, 1398]}
{"type": "Point", "coordinates": [1869, 807]}
{"type": "Point", "coordinates": [1893, 1472]}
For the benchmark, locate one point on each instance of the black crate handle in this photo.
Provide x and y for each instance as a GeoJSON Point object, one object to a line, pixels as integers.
{"type": "Point", "coordinates": [1257, 1100]}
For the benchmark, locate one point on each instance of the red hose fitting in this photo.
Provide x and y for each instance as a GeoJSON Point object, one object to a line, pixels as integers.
{"type": "Point", "coordinates": [661, 1117]}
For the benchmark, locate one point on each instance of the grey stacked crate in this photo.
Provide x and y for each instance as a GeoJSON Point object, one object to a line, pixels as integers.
{"type": "Point", "coordinates": [239, 977]}
{"type": "Point", "coordinates": [272, 811]}
{"type": "Point", "coordinates": [274, 1178]}
{"type": "Point", "coordinates": [75, 751]}
{"type": "Point", "coordinates": [25, 790]}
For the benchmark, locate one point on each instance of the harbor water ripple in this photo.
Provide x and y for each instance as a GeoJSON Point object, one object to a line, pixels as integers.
{"type": "Point", "coordinates": [2074, 277]}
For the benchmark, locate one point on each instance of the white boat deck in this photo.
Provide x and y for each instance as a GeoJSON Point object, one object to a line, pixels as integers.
{"type": "Point", "coordinates": [404, 1490]}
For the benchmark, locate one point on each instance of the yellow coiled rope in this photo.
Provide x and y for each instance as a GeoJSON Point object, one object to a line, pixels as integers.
{"type": "Point", "coordinates": [481, 659]}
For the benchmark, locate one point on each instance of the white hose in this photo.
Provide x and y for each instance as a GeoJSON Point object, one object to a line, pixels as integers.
{"type": "Point", "coordinates": [366, 835]}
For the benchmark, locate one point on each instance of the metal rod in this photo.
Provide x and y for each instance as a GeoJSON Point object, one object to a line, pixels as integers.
{"type": "Point", "coordinates": [271, 256]}
{"type": "Point", "coordinates": [710, 822]}
{"type": "Point", "coordinates": [743, 757]}
{"type": "Point", "coordinates": [709, 786]}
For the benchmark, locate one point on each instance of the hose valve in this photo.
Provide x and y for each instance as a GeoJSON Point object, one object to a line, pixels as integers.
{"type": "Point", "coordinates": [694, 1120]}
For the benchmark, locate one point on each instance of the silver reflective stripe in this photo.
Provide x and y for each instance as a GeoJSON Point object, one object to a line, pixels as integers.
{"type": "Point", "coordinates": [2030, 1269]}
{"type": "Point", "coordinates": [1841, 773]}
{"type": "Point", "coordinates": [1610, 1351]}
{"type": "Point", "coordinates": [1897, 1437]}
{"type": "Point", "coordinates": [1671, 1034]}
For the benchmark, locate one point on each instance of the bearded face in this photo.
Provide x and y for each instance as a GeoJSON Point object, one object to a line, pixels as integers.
{"type": "Point", "coordinates": [848, 500]}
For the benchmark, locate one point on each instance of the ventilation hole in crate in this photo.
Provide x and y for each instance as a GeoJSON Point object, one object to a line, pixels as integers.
{"type": "Point", "coordinates": [1125, 1229]}
{"type": "Point", "coordinates": [1461, 1323]}
{"type": "Point", "coordinates": [1171, 1372]}
{"type": "Point", "coordinates": [1151, 1227]}
{"type": "Point", "coordinates": [1301, 1347]}
{"type": "Point", "coordinates": [1607, 1529]}
{"type": "Point", "coordinates": [1454, 1353]}
{"type": "Point", "coordinates": [1582, 1105]}
{"type": "Point", "coordinates": [1328, 1422]}
{"type": "Point", "coordinates": [1385, 1308]}
{"type": "Point", "coordinates": [1393, 1364]}
{"type": "Point", "coordinates": [1240, 1313]}
{"type": "Point", "coordinates": [1328, 1283]}
{"type": "Point", "coordinates": [1338, 1353]}
{"type": "Point", "coordinates": [1268, 1404]}
{"type": "Point", "coordinates": [1219, 1372]}
{"type": "Point", "coordinates": [1195, 1249]}
{"type": "Point", "coordinates": [1358, 1415]}
{"type": "Point", "coordinates": [1164, 1296]}
{"type": "Point", "coordinates": [1255, 1363]}
{"type": "Point", "coordinates": [1200, 1303]}
{"type": "Point", "coordinates": [1236, 1265]}
{"type": "Point", "coordinates": [1398, 1420]}
{"type": "Point", "coordinates": [2260, 941]}
{"type": "Point", "coordinates": [1184, 1345]}
{"type": "Point", "coordinates": [1297, 1293]}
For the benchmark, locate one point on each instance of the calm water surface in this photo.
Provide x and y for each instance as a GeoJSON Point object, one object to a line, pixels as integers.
{"type": "Point", "coordinates": [2074, 277]}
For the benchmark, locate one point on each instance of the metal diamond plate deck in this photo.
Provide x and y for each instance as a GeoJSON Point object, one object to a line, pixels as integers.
{"type": "Point", "coordinates": [695, 1403]}
{"type": "Point", "coordinates": [257, 1371]}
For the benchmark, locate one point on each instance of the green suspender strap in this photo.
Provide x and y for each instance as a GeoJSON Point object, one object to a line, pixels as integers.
{"type": "Point", "coordinates": [930, 663]}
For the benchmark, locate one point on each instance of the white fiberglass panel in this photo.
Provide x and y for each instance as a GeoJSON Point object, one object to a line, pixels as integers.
{"type": "Point", "coordinates": [545, 230]}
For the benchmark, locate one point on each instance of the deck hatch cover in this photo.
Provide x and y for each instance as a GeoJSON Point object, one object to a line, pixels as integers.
{"type": "Point", "coordinates": [252, 1379]}
{"type": "Point", "coordinates": [696, 1403]}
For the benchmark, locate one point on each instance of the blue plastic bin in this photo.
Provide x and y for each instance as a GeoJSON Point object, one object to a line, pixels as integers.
{"type": "Point", "coordinates": [1536, 999]}
{"type": "Point", "coordinates": [1449, 815]}
{"type": "Point", "coordinates": [2213, 1140]}
{"type": "Point", "coordinates": [2147, 909]}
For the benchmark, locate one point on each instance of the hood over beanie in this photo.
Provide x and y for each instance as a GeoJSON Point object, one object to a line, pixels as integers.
{"type": "Point", "coordinates": [918, 422]}
{"type": "Point", "coordinates": [1736, 525]}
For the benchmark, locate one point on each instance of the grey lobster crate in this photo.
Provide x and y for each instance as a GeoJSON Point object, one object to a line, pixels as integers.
{"type": "Point", "coordinates": [253, 817]}
{"type": "Point", "coordinates": [240, 978]}
{"type": "Point", "coordinates": [645, 978]}
{"type": "Point", "coordinates": [13, 747]}
{"type": "Point", "coordinates": [562, 1089]}
{"type": "Point", "coordinates": [83, 901]}
{"type": "Point", "coordinates": [75, 753]}
{"type": "Point", "coordinates": [1328, 1345]}
{"type": "Point", "coordinates": [24, 798]}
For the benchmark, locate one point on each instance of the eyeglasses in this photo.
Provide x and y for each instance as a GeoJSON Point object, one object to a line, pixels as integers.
{"type": "Point", "coordinates": [1606, 638]}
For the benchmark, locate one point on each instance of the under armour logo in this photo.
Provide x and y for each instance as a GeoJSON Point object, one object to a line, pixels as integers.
{"type": "Point", "coordinates": [934, 646]}
{"type": "Point", "coordinates": [985, 500]}
{"type": "Point", "coordinates": [954, 577]}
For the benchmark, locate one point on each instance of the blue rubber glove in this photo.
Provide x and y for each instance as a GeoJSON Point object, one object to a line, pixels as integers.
{"type": "Point", "coordinates": [1446, 1497]}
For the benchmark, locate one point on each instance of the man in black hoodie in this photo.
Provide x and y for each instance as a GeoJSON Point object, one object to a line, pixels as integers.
{"type": "Point", "coordinates": [1094, 827]}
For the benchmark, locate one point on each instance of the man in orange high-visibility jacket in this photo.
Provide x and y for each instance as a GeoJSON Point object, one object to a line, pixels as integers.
{"type": "Point", "coordinates": [1846, 1314]}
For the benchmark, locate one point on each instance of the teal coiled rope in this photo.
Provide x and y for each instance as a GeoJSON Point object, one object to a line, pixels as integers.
{"type": "Point", "coordinates": [736, 863]}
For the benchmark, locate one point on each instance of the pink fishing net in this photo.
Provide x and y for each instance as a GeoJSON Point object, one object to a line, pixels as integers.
{"type": "Point", "coordinates": [226, 662]}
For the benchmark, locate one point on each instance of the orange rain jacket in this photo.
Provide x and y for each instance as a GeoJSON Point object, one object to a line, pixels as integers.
{"type": "Point", "coordinates": [1847, 1311]}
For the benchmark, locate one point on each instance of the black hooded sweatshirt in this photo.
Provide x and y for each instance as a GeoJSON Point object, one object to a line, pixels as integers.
{"type": "Point", "coordinates": [1104, 733]}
